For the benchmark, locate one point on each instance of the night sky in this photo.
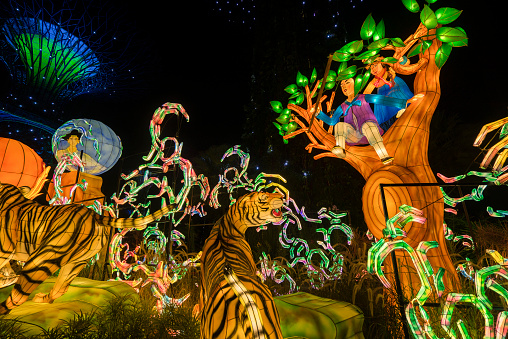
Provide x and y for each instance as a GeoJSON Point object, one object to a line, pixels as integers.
{"type": "Point", "coordinates": [197, 54]}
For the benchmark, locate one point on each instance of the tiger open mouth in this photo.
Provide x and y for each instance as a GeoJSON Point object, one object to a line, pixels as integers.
{"type": "Point", "coordinates": [277, 212]}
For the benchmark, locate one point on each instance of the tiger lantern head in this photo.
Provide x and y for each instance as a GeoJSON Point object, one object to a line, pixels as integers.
{"type": "Point", "coordinates": [256, 209]}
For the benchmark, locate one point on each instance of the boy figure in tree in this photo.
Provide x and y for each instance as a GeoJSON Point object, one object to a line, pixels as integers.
{"type": "Point", "coordinates": [360, 125]}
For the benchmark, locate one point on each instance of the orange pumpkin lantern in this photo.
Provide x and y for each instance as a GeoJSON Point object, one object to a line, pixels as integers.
{"type": "Point", "coordinates": [21, 166]}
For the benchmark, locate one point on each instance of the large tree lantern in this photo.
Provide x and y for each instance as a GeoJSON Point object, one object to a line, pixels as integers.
{"type": "Point", "coordinates": [406, 140]}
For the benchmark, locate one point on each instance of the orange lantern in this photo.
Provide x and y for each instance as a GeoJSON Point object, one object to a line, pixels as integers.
{"type": "Point", "coordinates": [21, 166]}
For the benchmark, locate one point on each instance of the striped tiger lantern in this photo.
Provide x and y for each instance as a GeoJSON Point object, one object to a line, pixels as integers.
{"type": "Point", "coordinates": [49, 238]}
{"type": "Point", "coordinates": [234, 301]}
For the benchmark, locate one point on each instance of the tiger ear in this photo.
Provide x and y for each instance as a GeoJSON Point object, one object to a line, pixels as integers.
{"type": "Point", "coordinates": [262, 197]}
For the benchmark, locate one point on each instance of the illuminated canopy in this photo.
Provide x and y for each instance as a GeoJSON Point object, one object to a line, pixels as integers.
{"type": "Point", "coordinates": [52, 57]}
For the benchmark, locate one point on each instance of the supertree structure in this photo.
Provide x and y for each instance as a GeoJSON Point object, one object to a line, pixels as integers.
{"type": "Point", "coordinates": [54, 52]}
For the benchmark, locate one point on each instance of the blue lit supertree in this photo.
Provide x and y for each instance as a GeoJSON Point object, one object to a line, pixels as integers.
{"type": "Point", "coordinates": [53, 53]}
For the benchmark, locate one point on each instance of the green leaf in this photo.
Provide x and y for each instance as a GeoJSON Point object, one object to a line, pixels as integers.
{"type": "Point", "coordinates": [331, 76]}
{"type": "Point", "coordinates": [397, 42]}
{"type": "Point", "coordinates": [313, 76]}
{"type": "Point", "coordinates": [279, 127]}
{"type": "Point", "coordinates": [446, 15]}
{"type": "Point", "coordinates": [416, 49]}
{"type": "Point", "coordinates": [301, 80]}
{"type": "Point", "coordinates": [358, 83]}
{"type": "Point", "coordinates": [379, 33]}
{"type": "Point", "coordinates": [367, 54]}
{"type": "Point", "coordinates": [349, 70]}
{"type": "Point", "coordinates": [276, 106]}
{"type": "Point", "coordinates": [411, 5]}
{"type": "Point", "coordinates": [284, 118]}
{"type": "Point", "coordinates": [428, 17]}
{"type": "Point", "coordinates": [355, 46]}
{"type": "Point", "coordinates": [292, 126]}
{"type": "Point", "coordinates": [368, 28]}
{"type": "Point", "coordinates": [342, 67]}
{"type": "Point", "coordinates": [442, 54]}
{"type": "Point", "coordinates": [341, 56]}
{"type": "Point", "coordinates": [365, 80]}
{"type": "Point", "coordinates": [284, 127]}
{"type": "Point", "coordinates": [379, 44]}
{"type": "Point", "coordinates": [390, 60]}
{"type": "Point", "coordinates": [299, 99]}
{"type": "Point", "coordinates": [450, 34]}
{"type": "Point", "coordinates": [462, 42]}
{"type": "Point", "coordinates": [425, 45]}
{"type": "Point", "coordinates": [291, 89]}
{"type": "Point", "coordinates": [330, 84]}
{"type": "Point", "coordinates": [294, 95]}
{"type": "Point", "coordinates": [431, 1]}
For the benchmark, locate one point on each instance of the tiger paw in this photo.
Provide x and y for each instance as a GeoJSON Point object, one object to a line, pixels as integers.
{"type": "Point", "coordinates": [43, 298]}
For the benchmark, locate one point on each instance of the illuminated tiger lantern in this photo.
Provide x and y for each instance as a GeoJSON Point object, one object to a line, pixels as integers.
{"type": "Point", "coordinates": [21, 166]}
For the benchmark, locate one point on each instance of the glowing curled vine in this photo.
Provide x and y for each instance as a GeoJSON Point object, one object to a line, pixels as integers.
{"type": "Point", "coordinates": [66, 161]}
{"type": "Point", "coordinates": [382, 248]}
{"type": "Point", "coordinates": [170, 271]}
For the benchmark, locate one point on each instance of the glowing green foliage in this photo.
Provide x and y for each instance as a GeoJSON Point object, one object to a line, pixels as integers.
{"type": "Point", "coordinates": [417, 48]}
{"type": "Point", "coordinates": [347, 73]}
{"type": "Point", "coordinates": [368, 28]}
{"type": "Point", "coordinates": [411, 5]}
{"type": "Point", "coordinates": [331, 76]}
{"type": "Point", "coordinates": [295, 94]}
{"type": "Point", "coordinates": [442, 54]}
{"type": "Point", "coordinates": [276, 106]}
{"type": "Point", "coordinates": [341, 56]}
{"type": "Point", "coordinates": [299, 98]}
{"type": "Point", "coordinates": [460, 43]}
{"type": "Point", "coordinates": [358, 83]}
{"type": "Point", "coordinates": [291, 89]}
{"type": "Point", "coordinates": [379, 32]}
{"type": "Point", "coordinates": [450, 34]}
{"type": "Point", "coordinates": [446, 15]}
{"type": "Point", "coordinates": [390, 60]}
{"type": "Point", "coordinates": [397, 42]}
{"type": "Point", "coordinates": [431, 1]}
{"type": "Point", "coordinates": [379, 44]}
{"type": "Point", "coordinates": [428, 17]}
{"type": "Point", "coordinates": [330, 85]}
{"type": "Point", "coordinates": [313, 76]}
{"type": "Point", "coordinates": [284, 118]}
{"type": "Point", "coordinates": [301, 80]}
{"type": "Point", "coordinates": [425, 45]}
{"type": "Point", "coordinates": [292, 126]}
{"type": "Point", "coordinates": [365, 80]}
{"type": "Point", "coordinates": [367, 54]}
{"type": "Point", "coordinates": [355, 46]}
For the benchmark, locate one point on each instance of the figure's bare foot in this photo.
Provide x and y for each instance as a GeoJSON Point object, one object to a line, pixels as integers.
{"type": "Point", "coordinates": [339, 152]}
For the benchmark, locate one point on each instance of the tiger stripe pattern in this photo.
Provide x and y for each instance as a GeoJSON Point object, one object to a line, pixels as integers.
{"type": "Point", "coordinates": [49, 238]}
{"type": "Point", "coordinates": [223, 313]}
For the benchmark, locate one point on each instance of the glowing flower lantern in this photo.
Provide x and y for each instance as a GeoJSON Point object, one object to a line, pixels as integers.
{"type": "Point", "coordinates": [21, 166]}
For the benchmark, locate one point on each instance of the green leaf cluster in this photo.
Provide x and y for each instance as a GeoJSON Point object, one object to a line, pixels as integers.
{"type": "Point", "coordinates": [449, 36]}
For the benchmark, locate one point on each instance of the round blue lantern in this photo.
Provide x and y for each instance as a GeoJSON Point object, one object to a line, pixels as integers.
{"type": "Point", "coordinates": [98, 147]}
